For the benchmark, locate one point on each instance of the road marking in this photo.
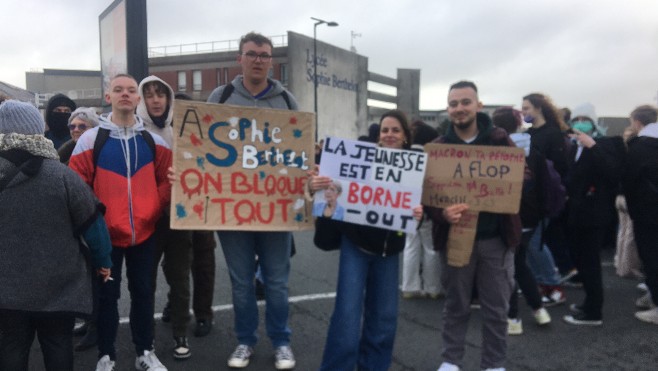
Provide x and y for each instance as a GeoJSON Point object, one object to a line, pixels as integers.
{"type": "Point", "coordinates": [224, 307]}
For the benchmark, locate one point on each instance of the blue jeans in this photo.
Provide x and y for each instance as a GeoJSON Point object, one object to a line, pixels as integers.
{"type": "Point", "coordinates": [363, 325]}
{"type": "Point", "coordinates": [540, 260]}
{"type": "Point", "coordinates": [273, 250]}
{"type": "Point", "coordinates": [139, 270]}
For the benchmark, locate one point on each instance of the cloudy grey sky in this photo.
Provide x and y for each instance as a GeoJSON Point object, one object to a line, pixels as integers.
{"type": "Point", "coordinates": [599, 51]}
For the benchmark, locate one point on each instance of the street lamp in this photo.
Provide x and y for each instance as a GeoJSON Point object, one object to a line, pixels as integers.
{"type": "Point", "coordinates": [315, 68]}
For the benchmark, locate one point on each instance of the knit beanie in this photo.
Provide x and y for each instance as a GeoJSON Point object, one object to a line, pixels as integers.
{"type": "Point", "coordinates": [85, 114]}
{"type": "Point", "coordinates": [21, 118]}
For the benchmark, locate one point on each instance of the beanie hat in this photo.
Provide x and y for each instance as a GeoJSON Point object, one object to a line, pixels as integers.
{"type": "Point", "coordinates": [21, 118]}
{"type": "Point", "coordinates": [585, 110]}
{"type": "Point", "coordinates": [58, 100]}
{"type": "Point", "coordinates": [85, 114]}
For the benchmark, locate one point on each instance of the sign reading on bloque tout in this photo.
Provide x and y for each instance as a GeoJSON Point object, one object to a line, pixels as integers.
{"type": "Point", "coordinates": [372, 186]}
{"type": "Point", "coordinates": [487, 178]}
{"type": "Point", "coordinates": [241, 168]}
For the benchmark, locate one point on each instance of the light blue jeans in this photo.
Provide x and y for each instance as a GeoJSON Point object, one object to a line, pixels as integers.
{"type": "Point", "coordinates": [273, 250]}
{"type": "Point", "coordinates": [540, 260]}
{"type": "Point", "coordinates": [363, 325]}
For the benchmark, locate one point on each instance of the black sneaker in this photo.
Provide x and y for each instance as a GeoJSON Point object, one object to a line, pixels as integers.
{"type": "Point", "coordinates": [181, 349]}
{"type": "Point", "coordinates": [166, 316]}
{"type": "Point", "coordinates": [80, 328]}
{"type": "Point", "coordinates": [203, 327]}
{"type": "Point", "coordinates": [89, 340]}
{"type": "Point", "coordinates": [583, 319]}
{"type": "Point", "coordinates": [576, 308]}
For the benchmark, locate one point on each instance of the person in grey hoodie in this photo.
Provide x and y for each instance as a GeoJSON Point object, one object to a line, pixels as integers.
{"type": "Point", "coordinates": [253, 88]}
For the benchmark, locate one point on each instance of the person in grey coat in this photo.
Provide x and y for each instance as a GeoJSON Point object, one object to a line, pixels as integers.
{"type": "Point", "coordinates": [46, 272]}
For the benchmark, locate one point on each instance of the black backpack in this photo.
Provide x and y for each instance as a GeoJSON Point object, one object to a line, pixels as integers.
{"type": "Point", "coordinates": [229, 88]}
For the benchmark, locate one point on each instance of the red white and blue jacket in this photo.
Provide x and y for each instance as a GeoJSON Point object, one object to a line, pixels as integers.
{"type": "Point", "coordinates": [131, 183]}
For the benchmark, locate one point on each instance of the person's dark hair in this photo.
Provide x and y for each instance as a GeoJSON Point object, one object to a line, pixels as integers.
{"type": "Point", "coordinates": [566, 114]}
{"type": "Point", "coordinates": [402, 118]}
{"type": "Point", "coordinates": [373, 133]}
{"type": "Point", "coordinates": [464, 84]}
{"type": "Point", "coordinates": [548, 109]}
{"type": "Point", "coordinates": [3, 98]}
{"type": "Point", "coordinates": [507, 118]}
{"type": "Point", "coordinates": [645, 114]}
{"type": "Point", "coordinates": [182, 96]}
{"type": "Point", "coordinates": [256, 38]}
{"type": "Point", "coordinates": [158, 87]}
{"type": "Point", "coordinates": [422, 133]}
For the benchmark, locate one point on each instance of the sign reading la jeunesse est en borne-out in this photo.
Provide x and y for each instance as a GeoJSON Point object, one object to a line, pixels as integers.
{"type": "Point", "coordinates": [241, 168]}
{"type": "Point", "coordinates": [372, 186]}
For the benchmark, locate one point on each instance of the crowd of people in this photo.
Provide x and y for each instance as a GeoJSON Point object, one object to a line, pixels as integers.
{"type": "Point", "coordinates": [94, 191]}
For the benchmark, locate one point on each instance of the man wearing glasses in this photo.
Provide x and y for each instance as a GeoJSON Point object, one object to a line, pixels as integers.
{"type": "Point", "coordinates": [254, 88]}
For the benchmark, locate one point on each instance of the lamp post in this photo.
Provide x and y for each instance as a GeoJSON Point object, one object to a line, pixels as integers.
{"type": "Point", "coordinates": [315, 68]}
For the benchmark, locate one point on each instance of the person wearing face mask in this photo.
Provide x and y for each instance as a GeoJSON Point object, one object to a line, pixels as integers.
{"type": "Point", "coordinates": [58, 111]}
{"type": "Point", "coordinates": [547, 140]}
{"type": "Point", "coordinates": [595, 171]}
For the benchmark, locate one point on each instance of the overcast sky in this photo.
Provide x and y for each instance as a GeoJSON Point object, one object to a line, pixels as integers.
{"type": "Point", "coordinates": [599, 51]}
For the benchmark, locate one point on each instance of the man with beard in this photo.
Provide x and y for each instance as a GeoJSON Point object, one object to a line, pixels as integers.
{"type": "Point", "coordinates": [58, 111]}
{"type": "Point", "coordinates": [491, 265]}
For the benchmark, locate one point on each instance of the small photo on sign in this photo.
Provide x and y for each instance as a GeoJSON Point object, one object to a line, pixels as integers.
{"type": "Point", "coordinates": [327, 203]}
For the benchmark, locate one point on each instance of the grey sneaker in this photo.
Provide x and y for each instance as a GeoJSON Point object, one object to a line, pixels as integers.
{"type": "Point", "coordinates": [283, 358]}
{"type": "Point", "coordinates": [105, 364]}
{"type": "Point", "coordinates": [149, 362]}
{"type": "Point", "coordinates": [240, 356]}
{"type": "Point", "coordinates": [645, 302]}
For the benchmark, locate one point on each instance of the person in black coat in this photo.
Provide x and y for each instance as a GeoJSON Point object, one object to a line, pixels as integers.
{"type": "Point", "coordinates": [592, 183]}
{"type": "Point", "coordinates": [640, 185]}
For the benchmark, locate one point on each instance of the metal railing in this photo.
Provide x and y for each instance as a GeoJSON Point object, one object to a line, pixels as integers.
{"type": "Point", "coordinates": [207, 47]}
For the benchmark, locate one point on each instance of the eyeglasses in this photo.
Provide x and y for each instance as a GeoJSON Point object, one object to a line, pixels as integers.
{"type": "Point", "coordinates": [80, 127]}
{"type": "Point", "coordinates": [252, 56]}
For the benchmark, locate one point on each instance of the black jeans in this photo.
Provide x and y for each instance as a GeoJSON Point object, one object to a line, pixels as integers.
{"type": "Point", "coordinates": [203, 273]}
{"type": "Point", "coordinates": [646, 237]}
{"type": "Point", "coordinates": [585, 244]}
{"type": "Point", "coordinates": [55, 334]}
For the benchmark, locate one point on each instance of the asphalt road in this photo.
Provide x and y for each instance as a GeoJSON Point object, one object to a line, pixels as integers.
{"type": "Point", "coordinates": [622, 343]}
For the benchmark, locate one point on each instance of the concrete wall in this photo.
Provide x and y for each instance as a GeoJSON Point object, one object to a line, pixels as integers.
{"type": "Point", "coordinates": [408, 86]}
{"type": "Point", "coordinates": [342, 85]}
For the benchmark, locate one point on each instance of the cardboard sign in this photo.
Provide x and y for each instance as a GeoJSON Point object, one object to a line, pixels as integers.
{"type": "Point", "coordinates": [487, 178]}
{"type": "Point", "coordinates": [372, 186]}
{"type": "Point", "coordinates": [241, 168]}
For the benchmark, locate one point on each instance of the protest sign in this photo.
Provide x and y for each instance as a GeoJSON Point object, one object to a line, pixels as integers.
{"type": "Point", "coordinates": [241, 168]}
{"type": "Point", "coordinates": [487, 178]}
{"type": "Point", "coordinates": [372, 186]}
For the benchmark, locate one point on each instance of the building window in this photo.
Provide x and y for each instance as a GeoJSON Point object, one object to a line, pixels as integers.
{"type": "Point", "coordinates": [196, 80]}
{"type": "Point", "coordinates": [182, 81]}
{"type": "Point", "coordinates": [283, 69]}
{"type": "Point", "coordinates": [225, 75]}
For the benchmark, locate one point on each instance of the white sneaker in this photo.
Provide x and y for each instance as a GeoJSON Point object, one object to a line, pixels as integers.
{"type": "Point", "coordinates": [495, 369]}
{"type": "Point", "coordinates": [650, 316]}
{"type": "Point", "coordinates": [542, 317]}
{"type": "Point", "coordinates": [149, 362]}
{"type": "Point", "coordinates": [645, 302]}
{"type": "Point", "coordinates": [445, 366]}
{"type": "Point", "coordinates": [105, 364]}
{"type": "Point", "coordinates": [283, 358]}
{"type": "Point", "coordinates": [514, 326]}
{"type": "Point", "coordinates": [240, 356]}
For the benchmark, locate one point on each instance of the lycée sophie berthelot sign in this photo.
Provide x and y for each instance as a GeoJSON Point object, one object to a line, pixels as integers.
{"type": "Point", "coordinates": [241, 168]}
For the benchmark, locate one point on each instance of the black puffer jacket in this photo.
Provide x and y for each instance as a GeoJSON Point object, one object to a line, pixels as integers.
{"type": "Point", "coordinates": [640, 180]}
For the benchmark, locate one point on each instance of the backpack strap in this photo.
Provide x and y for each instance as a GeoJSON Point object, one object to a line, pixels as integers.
{"type": "Point", "coordinates": [285, 96]}
{"type": "Point", "coordinates": [228, 90]}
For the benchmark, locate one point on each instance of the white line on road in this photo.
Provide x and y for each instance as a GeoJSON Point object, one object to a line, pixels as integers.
{"type": "Point", "coordinates": [223, 307]}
